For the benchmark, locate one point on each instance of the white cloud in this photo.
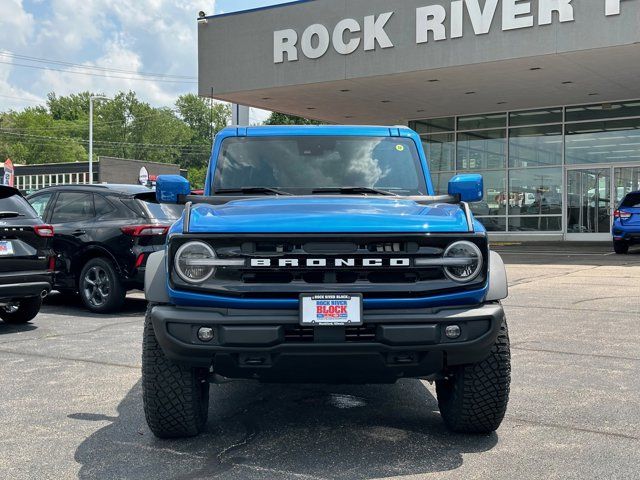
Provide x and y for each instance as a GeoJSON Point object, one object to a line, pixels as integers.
{"type": "Point", "coordinates": [135, 35]}
{"type": "Point", "coordinates": [16, 24]}
{"type": "Point", "coordinates": [13, 97]}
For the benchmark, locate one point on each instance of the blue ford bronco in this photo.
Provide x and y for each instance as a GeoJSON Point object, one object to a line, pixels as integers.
{"type": "Point", "coordinates": [322, 254]}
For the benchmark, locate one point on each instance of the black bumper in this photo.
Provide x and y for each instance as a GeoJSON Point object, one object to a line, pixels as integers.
{"type": "Point", "coordinates": [270, 345]}
{"type": "Point", "coordinates": [17, 285]}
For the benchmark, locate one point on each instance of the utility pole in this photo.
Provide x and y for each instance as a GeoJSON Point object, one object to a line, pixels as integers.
{"type": "Point", "coordinates": [91, 99]}
{"type": "Point", "coordinates": [211, 118]}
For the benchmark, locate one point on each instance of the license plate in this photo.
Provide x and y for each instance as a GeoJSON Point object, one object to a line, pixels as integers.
{"type": "Point", "coordinates": [6, 248]}
{"type": "Point", "coordinates": [330, 310]}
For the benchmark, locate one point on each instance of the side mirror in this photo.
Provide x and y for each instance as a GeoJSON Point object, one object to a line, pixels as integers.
{"type": "Point", "coordinates": [170, 187]}
{"type": "Point", "coordinates": [468, 186]}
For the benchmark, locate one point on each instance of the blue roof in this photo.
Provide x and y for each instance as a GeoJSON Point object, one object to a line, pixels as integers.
{"type": "Point", "coordinates": [320, 130]}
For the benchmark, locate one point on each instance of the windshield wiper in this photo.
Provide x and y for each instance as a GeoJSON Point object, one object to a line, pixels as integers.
{"type": "Point", "coordinates": [248, 190]}
{"type": "Point", "coordinates": [355, 190]}
{"type": "Point", "coordinates": [10, 214]}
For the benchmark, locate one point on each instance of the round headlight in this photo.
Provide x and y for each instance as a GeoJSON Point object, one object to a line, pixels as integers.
{"type": "Point", "coordinates": [191, 262]}
{"type": "Point", "coordinates": [469, 263]}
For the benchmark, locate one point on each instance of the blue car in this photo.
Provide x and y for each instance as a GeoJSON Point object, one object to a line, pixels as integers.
{"type": "Point", "coordinates": [321, 254]}
{"type": "Point", "coordinates": [626, 223]}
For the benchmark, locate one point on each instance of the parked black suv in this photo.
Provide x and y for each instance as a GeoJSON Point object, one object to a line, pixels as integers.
{"type": "Point", "coordinates": [26, 258]}
{"type": "Point", "coordinates": [103, 237]}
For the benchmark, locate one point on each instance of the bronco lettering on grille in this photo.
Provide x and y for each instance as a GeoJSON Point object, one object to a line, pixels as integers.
{"type": "Point", "coordinates": [332, 263]}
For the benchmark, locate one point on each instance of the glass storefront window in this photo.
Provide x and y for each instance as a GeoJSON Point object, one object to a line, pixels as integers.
{"type": "Point", "coordinates": [493, 224]}
{"type": "Point", "coordinates": [627, 180]}
{"type": "Point", "coordinates": [535, 191]}
{"type": "Point", "coordinates": [603, 110]}
{"type": "Point", "coordinates": [535, 117]}
{"type": "Point", "coordinates": [535, 224]}
{"type": "Point", "coordinates": [614, 141]}
{"type": "Point", "coordinates": [434, 125]}
{"type": "Point", "coordinates": [441, 182]}
{"type": "Point", "coordinates": [481, 150]}
{"type": "Point", "coordinates": [545, 170]}
{"type": "Point", "coordinates": [477, 122]}
{"type": "Point", "coordinates": [440, 150]}
{"type": "Point", "coordinates": [535, 146]}
{"type": "Point", "coordinates": [495, 195]}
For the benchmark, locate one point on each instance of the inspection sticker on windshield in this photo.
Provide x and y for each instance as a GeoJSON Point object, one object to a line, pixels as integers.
{"type": "Point", "coordinates": [400, 148]}
{"type": "Point", "coordinates": [331, 310]}
{"type": "Point", "coordinates": [6, 248]}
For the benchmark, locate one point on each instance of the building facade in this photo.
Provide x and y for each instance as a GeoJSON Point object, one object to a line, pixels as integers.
{"type": "Point", "coordinates": [30, 178]}
{"type": "Point", "coordinates": [540, 96]}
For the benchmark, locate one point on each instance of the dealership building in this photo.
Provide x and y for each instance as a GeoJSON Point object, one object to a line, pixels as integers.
{"type": "Point", "coordinates": [542, 97]}
{"type": "Point", "coordinates": [30, 178]}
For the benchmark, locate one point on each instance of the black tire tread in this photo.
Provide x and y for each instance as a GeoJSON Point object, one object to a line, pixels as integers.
{"type": "Point", "coordinates": [475, 399]}
{"type": "Point", "coordinates": [28, 309]}
{"type": "Point", "coordinates": [175, 405]}
{"type": "Point", "coordinates": [620, 247]}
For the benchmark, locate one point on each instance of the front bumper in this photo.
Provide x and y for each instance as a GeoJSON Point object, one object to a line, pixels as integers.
{"type": "Point", "coordinates": [270, 346]}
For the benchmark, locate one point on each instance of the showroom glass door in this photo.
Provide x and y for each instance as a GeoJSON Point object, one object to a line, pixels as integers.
{"type": "Point", "coordinates": [589, 203]}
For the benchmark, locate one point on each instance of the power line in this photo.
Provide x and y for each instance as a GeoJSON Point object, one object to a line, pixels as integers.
{"type": "Point", "coordinates": [97, 74]}
{"type": "Point", "coordinates": [92, 67]}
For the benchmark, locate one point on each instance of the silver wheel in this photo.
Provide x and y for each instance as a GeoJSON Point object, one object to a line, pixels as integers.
{"type": "Point", "coordinates": [12, 307]}
{"type": "Point", "coordinates": [96, 286]}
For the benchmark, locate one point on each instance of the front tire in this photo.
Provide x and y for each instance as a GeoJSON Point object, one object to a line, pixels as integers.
{"type": "Point", "coordinates": [100, 288]}
{"type": "Point", "coordinates": [620, 247]}
{"type": "Point", "coordinates": [22, 311]}
{"type": "Point", "coordinates": [175, 398]}
{"type": "Point", "coordinates": [473, 399]}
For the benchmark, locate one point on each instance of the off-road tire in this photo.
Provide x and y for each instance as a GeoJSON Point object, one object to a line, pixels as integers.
{"type": "Point", "coordinates": [473, 398]}
{"type": "Point", "coordinates": [27, 310]}
{"type": "Point", "coordinates": [621, 248]}
{"type": "Point", "coordinates": [175, 397]}
{"type": "Point", "coordinates": [117, 293]}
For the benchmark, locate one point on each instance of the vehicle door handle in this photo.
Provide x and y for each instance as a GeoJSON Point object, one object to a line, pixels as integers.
{"type": "Point", "coordinates": [79, 233]}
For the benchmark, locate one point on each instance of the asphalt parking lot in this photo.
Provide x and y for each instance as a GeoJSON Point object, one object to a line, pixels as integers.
{"type": "Point", "coordinates": [71, 404]}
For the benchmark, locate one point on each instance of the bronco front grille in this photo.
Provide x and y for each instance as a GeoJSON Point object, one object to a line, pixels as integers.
{"type": "Point", "coordinates": [377, 266]}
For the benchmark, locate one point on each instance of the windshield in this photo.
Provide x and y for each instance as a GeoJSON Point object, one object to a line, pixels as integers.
{"type": "Point", "coordinates": [300, 165]}
{"type": "Point", "coordinates": [162, 211]}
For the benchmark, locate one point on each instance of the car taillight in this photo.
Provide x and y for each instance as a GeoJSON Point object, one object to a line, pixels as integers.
{"type": "Point", "coordinates": [145, 230]}
{"type": "Point", "coordinates": [621, 215]}
{"type": "Point", "coordinates": [43, 231]}
{"type": "Point", "coordinates": [52, 263]}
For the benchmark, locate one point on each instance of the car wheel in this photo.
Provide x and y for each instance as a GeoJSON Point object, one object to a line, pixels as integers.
{"type": "Point", "coordinates": [175, 397]}
{"type": "Point", "coordinates": [621, 248]}
{"type": "Point", "coordinates": [22, 311]}
{"type": "Point", "coordinates": [100, 287]}
{"type": "Point", "coordinates": [473, 398]}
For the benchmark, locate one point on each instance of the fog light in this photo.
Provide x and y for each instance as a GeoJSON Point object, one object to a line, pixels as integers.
{"type": "Point", "coordinates": [205, 334]}
{"type": "Point", "coordinates": [453, 332]}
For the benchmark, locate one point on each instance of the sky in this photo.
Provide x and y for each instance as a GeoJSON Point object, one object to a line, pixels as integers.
{"type": "Point", "coordinates": [149, 46]}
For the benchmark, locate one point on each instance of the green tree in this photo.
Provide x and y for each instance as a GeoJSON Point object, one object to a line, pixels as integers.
{"type": "Point", "coordinates": [283, 119]}
{"type": "Point", "coordinates": [32, 137]}
{"type": "Point", "coordinates": [197, 176]}
{"type": "Point", "coordinates": [124, 127]}
{"type": "Point", "coordinates": [204, 119]}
